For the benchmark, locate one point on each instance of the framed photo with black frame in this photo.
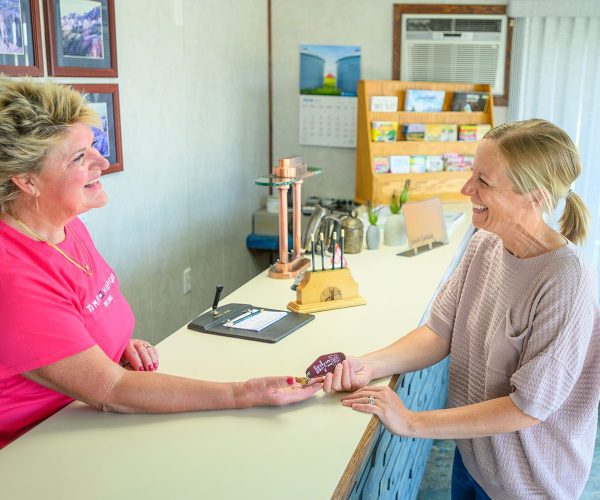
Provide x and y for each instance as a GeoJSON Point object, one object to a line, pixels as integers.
{"type": "Point", "coordinates": [104, 98]}
{"type": "Point", "coordinates": [80, 38]}
{"type": "Point", "coordinates": [20, 38]}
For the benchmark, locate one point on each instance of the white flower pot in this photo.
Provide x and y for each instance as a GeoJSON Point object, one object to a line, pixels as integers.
{"type": "Point", "coordinates": [394, 231]}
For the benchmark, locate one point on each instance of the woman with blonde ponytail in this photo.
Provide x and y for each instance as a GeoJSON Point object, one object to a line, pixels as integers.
{"type": "Point", "coordinates": [520, 320]}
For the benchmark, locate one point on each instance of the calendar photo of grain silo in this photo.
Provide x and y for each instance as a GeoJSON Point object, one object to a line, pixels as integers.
{"type": "Point", "coordinates": [329, 70]}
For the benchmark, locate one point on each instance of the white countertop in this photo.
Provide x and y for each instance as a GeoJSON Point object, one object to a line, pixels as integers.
{"type": "Point", "coordinates": [299, 451]}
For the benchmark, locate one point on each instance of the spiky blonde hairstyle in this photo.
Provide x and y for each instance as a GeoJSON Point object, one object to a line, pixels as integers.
{"type": "Point", "coordinates": [34, 116]}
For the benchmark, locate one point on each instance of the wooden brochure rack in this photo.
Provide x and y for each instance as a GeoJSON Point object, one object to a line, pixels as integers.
{"type": "Point", "coordinates": [378, 188]}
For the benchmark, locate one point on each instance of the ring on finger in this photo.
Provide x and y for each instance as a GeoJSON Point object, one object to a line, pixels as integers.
{"type": "Point", "coordinates": [371, 400]}
{"type": "Point", "coordinates": [147, 346]}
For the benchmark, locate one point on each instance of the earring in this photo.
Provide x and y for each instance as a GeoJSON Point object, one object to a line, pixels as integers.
{"type": "Point", "coordinates": [37, 195]}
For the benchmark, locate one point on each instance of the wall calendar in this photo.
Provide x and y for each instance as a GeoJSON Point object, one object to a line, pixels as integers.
{"type": "Point", "coordinates": [328, 121]}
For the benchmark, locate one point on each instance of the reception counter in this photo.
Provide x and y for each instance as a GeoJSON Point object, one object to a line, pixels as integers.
{"type": "Point", "coordinates": [315, 449]}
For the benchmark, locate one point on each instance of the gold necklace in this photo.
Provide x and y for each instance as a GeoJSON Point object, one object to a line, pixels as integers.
{"type": "Point", "coordinates": [84, 267]}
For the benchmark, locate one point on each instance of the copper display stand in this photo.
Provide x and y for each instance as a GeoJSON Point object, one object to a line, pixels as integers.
{"type": "Point", "coordinates": [325, 290]}
{"type": "Point", "coordinates": [290, 171]}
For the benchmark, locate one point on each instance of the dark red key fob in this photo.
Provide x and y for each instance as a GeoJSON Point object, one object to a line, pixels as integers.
{"type": "Point", "coordinates": [324, 364]}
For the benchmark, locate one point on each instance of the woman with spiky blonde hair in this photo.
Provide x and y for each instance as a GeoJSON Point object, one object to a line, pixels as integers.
{"type": "Point", "coordinates": [65, 327]}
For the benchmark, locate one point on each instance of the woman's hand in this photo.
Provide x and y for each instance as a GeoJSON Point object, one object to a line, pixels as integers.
{"type": "Point", "coordinates": [273, 391]}
{"type": "Point", "coordinates": [139, 355]}
{"type": "Point", "coordinates": [349, 375]}
{"type": "Point", "coordinates": [386, 404]}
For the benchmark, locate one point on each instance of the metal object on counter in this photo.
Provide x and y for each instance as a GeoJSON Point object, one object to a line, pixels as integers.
{"type": "Point", "coordinates": [311, 233]}
{"type": "Point", "coordinates": [290, 171]}
{"type": "Point", "coordinates": [326, 219]}
{"type": "Point", "coordinates": [353, 233]}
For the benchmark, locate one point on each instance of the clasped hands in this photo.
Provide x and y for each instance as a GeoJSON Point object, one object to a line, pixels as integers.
{"type": "Point", "coordinates": [353, 374]}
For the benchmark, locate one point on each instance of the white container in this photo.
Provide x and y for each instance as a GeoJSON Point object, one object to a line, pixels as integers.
{"type": "Point", "coordinates": [394, 231]}
{"type": "Point", "coordinates": [273, 204]}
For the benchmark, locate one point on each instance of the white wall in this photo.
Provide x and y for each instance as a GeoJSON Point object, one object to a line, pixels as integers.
{"type": "Point", "coordinates": [368, 24]}
{"type": "Point", "coordinates": [194, 115]}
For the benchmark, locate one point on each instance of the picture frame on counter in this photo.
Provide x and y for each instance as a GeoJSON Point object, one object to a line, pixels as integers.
{"type": "Point", "coordinates": [104, 98]}
{"type": "Point", "coordinates": [20, 38]}
{"type": "Point", "coordinates": [81, 38]}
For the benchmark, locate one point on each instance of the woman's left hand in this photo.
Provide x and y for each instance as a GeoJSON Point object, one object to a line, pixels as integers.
{"type": "Point", "coordinates": [385, 403]}
{"type": "Point", "coordinates": [140, 355]}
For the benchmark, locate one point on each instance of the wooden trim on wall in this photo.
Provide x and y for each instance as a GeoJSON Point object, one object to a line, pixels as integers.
{"type": "Point", "coordinates": [399, 9]}
{"type": "Point", "coordinates": [270, 86]}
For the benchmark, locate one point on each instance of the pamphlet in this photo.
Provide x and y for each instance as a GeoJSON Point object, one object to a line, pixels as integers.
{"type": "Point", "coordinates": [424, 100]}
{"type": "Point", "coordinates": [470, 101]}
{"type": "Point", "coordinates": [385, 103]}
{"type": "Point", "coordinates": [384, 131]}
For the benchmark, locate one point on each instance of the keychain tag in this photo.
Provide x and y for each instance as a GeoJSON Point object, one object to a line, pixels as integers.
{"type": "Point", "coordinates": [321, 366]}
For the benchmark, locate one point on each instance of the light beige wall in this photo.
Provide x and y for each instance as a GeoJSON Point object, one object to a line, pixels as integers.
{"type": "Point", "coordinates": [368, 24]}
{"type": "Point", "coordinates": [194, 103]}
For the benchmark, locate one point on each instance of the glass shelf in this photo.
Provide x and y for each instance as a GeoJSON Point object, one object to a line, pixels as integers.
{"type": "Point", "coordinates": [272, 180]}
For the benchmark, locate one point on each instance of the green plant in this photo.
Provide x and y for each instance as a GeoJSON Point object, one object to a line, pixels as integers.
{"type": "Point", "coordinates": [372, 213]}
{"type": "Point", "coordinates": [397, 201]}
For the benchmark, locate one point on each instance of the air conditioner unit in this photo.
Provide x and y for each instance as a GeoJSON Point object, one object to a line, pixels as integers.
{"type": "Point", "coordinates": [454, 48]}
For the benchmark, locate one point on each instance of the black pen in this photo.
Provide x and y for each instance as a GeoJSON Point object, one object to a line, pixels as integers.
{"type": "Point", "coordinates": [334, 239]}
{"type": "Point", "coordinates": [342, 248]}
{"type": "Point", "coordinates": [216, 299]}
{"type": "Point", "coordinates": [322, 251]}
{"type": "Point", "coordinates": [241, 317]}
{"type": "Point", "coordinates": [312, 250]}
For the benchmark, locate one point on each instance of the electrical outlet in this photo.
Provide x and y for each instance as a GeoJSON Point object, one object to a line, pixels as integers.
{"type": "Point", "coordinates": [187, 280]}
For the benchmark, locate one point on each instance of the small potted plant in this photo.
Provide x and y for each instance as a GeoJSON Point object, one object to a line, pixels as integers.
{"type": "Point", "coordinates": [373, 230]}
{"type": "Point", "coordinates": [394, 231]}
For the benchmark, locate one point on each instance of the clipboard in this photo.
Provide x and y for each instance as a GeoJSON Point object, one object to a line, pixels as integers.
{"type": "Point", "coordinates": [213, 323]}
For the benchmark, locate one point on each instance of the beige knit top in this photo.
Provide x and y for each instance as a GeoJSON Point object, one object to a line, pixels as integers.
{"type": "Point", "coordinates": [528, 329]}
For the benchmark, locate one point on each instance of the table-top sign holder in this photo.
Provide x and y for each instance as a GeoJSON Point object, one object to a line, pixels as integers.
{"type": "Point", "coordinates": [290, 171]}
{"type": "Point", "coordinates": [326, 290]}
{"type": "Point", "coordinates": [425, 226]}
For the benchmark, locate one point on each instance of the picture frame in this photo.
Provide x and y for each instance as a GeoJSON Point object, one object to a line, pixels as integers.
{"type": "Point", "coordinates": [20, 38]}
{"type": "Point", "coordinates": [104, 98]}
{"type": "Point", "coordinates": [80, 38]}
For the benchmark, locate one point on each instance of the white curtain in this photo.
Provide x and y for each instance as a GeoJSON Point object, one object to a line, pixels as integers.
{"type": "Point", "coordinates": [555, 75]}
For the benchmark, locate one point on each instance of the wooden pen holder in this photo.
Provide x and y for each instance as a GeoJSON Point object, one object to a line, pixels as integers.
{"type": "Point", "coordinates": [325, 290]}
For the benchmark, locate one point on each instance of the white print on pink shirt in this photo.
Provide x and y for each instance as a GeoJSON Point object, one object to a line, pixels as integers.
{"type": "Point", "coordinates": [102, 294]}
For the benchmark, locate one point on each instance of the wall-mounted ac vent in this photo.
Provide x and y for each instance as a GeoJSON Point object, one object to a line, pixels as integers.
{"type": "Point", "coordinates": [454, 48]}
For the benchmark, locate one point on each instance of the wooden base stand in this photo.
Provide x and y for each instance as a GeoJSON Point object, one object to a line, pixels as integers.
{"type": "Point", "coordinates": [325, 290]}
{"type": "Point", "coordinates": [281, 270]}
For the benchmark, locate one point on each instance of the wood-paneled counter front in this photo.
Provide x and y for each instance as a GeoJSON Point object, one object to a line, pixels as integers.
{"type": "Point", "coordinates": [315, 449]}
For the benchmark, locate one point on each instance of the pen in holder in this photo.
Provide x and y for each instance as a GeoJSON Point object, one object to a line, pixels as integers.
{"type": "Point", "coordinates": [325, 290]}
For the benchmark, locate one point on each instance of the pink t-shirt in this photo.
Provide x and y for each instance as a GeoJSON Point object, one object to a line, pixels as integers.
{"type": "Point", "coordinates": [49, 310]}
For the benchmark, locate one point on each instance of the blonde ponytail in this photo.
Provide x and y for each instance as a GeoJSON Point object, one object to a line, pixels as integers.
{"type": "Point", "coordinates": [574, 220]}
{"type": "Point", "coordinates": [542, 157]}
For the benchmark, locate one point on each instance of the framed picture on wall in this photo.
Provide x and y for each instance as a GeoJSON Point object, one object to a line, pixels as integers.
{"type": "Point", "coordinates": [80, 37]}
{"type": "Point", "coordinates": [104, 98]}
{"type": "Point", "coordinates": [20, 38]}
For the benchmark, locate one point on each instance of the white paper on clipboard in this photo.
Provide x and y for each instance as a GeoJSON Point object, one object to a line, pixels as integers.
{"type": "Point", "coordinates": [260, 321]}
